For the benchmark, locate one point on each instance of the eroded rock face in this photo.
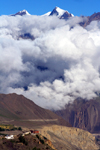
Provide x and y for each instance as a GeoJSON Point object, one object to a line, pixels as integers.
{"type": "Point", "coordinates": [87, 116]}
{"type": "Point", "coordinates": [68, 138]}
{"type": "Point", "coordinates": [93, 17]}
{"type": "Point", "coordinates": [83, 114]}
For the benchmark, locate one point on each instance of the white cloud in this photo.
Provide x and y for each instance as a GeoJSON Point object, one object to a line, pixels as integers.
{"type": "Point", "coordinates": [61, 64]}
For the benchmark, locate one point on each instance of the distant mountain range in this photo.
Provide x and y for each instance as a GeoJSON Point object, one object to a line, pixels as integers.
{"type": "Point", "coordinates": [63, 14]}
{"type": "Point", "coordinates": [60, 13]}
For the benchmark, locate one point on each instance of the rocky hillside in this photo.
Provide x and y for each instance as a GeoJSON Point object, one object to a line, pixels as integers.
{"type": "Point", "coordinates": [27, 142]}
{"type": "Point", "coordinates": [51, 137]}
{"type": "Point", "coordinates": [67, 138]}
{"type": "Point", "coordinates": [83, 114]}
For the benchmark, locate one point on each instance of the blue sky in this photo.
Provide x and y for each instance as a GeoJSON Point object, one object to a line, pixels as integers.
{"type": "Point", "coordinates": [39, 7]}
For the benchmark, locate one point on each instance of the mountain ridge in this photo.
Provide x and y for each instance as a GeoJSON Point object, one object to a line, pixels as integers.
{"type": "Point", "coordinates": [18, 108]}
{"type": "Point", "coordinates": [60, 13]}
{"type": "Point", "coordinates": [63, 14]}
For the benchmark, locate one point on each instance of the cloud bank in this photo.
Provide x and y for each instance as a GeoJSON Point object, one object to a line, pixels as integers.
{"type": "Point", "coordinates": [61, 64]}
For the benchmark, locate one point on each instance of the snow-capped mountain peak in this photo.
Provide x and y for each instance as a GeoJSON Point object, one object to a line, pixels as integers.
{"type": "Point", "coordinates": [21, 13]}
{"type": "Point", "coordinates": [60, 13]}
{"type": "Point", "coordinates": [47, 14]}
{"type": "Point", "coordinates": [25, 12]}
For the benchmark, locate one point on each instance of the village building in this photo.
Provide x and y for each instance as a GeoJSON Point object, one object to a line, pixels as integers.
{"type": "Point", "coordinates": [34, 132]}
{"type": "Point", "coordinates": [9, 136]}
{"type": "Point", "coordinates": [26, 133]}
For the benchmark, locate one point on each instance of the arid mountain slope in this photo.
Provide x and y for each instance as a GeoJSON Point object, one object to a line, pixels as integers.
{"type": "Point", "coordinates": [83, 114]}
{"type": "Point", "coordinates": [68, 138]}
{"type": "Point", "coordinates": [17, 107]}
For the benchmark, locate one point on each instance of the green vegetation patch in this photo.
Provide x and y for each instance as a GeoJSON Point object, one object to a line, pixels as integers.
{"type": "Point", "coordinates": [9, 128]}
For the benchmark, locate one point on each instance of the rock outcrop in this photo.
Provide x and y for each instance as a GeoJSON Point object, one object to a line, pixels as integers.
{"type": "Point", "coordinates": [68, 138]}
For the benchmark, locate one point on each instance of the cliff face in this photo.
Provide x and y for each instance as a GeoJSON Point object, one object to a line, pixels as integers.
{"type": "Point", "coordinates": [87, 116]}
{"type": "Point", "coordinates": [67, 138]}
{"type": "Point", "coordinates": [83, 114]}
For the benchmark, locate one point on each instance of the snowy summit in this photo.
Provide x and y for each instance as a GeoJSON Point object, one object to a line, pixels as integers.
{"type": "Point", "coordinates": [24, 12]}
{"type": "Point", "coordinates": [21, 13]}
{"type": "Point", "coordinates": [47, 14]}
{"type": "Point", "coordinates": [60, 13]}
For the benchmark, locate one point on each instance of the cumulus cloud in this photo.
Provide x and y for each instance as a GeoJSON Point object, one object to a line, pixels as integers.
{"type": "Point", "coordinates": [61, 64]}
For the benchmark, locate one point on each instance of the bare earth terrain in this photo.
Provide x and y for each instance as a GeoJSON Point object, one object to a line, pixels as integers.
{"type": "Point", "coordinates": [68, 138]}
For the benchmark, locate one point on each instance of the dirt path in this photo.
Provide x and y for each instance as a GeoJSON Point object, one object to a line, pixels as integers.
{"type": "Point", "coordinates": [41, 120]}
{"type": "Point", "coordinates": [34, 120]}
